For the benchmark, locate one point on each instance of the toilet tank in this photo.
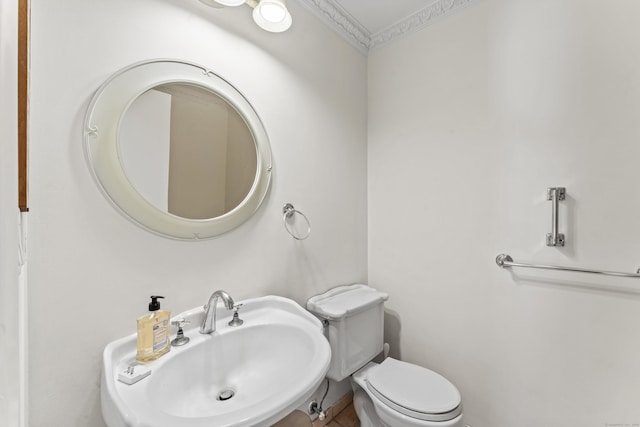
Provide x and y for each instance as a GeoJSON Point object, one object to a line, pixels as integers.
{"type": "Point", "coordinates": [356, 324]}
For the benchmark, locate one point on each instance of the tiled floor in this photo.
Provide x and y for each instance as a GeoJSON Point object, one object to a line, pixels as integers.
{"type": "Point", "coordinates": [341, 414]}
{"type": "Point", "coordinates": [346, 416]}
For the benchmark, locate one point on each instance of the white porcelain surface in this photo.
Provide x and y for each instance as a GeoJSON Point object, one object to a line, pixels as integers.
{"type": "Point", "coordinates": [414, 391]}
{"type": "Point", "coordinates": [356, 326]}
{"type": "Point", "coordinates": [272, 363]}
{"type": "Point", "coordinates": [392, 418]}
{"type": "Point", "coordinates": [345, 301]}
{"type": "Point", "coordinates": [384, 414]}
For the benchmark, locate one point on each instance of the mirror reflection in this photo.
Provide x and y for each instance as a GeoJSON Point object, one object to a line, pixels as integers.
{"type": "Point", "coordinates": [187, 151]}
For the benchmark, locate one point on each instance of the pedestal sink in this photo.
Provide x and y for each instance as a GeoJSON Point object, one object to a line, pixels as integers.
{"type": "Point", "coordinates": [242, 376]}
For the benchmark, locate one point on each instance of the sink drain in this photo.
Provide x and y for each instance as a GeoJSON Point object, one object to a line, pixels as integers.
{"type": "Point", "coordinates": [226, 394]}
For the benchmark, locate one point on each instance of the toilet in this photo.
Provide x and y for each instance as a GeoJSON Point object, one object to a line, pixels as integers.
{"type": "Point", "coordinates": [392, 393]}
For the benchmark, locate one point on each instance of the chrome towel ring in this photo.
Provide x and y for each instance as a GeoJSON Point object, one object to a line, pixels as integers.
{"type": "Point", "coordinates": [288, 211]}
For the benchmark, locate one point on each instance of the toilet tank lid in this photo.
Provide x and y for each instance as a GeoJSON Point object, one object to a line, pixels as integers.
{"type": "Point", "coordinates": [345, 301]}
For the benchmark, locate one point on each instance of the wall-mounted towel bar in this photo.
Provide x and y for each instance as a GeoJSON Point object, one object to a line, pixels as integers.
{"type": "Point", "coordinates": [504, 261]}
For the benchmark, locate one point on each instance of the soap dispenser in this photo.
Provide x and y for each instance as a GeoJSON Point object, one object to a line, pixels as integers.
{"type": "Point", "coordinates": [153, 332]}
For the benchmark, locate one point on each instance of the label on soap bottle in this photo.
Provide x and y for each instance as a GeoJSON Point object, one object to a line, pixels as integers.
{"type": "Point", "coordinates": [160, 335]}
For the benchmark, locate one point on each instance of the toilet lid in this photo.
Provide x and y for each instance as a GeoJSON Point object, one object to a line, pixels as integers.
{"type": "Point", "coordinates": [415, 391]}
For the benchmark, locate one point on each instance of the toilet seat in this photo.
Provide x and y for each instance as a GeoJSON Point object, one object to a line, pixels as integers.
{"type": "Point", "coordinates": [414, 391]}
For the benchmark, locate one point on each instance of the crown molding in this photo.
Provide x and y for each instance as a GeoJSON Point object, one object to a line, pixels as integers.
{"type": "Point", "coordinates": [429, 15]}
{"type": "Point", "coordinates": [332, 14]}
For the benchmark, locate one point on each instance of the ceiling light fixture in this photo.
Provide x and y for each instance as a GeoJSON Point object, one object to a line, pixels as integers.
{"type": "Point", "coordinates": [270, 15]}
{"type": "Point", "coordinates": [222, 3]}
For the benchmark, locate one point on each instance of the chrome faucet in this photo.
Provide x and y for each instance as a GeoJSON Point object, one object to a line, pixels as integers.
{"type": "Point", "coordinates": [209, 323]}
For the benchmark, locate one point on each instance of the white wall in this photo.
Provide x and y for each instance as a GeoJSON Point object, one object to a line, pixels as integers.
{"type": "Point", "coordinates": [470, 121]}
{"type": "Point", "coordinates": [91, 270]}
{"type": "Point", "coordinates": [10, 391]}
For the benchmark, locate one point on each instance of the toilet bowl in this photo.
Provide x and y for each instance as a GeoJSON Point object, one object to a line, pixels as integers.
{"type": "Point", "coordinates": [390, 394]}
{"type": "Point", "coordinates": [400, 394]}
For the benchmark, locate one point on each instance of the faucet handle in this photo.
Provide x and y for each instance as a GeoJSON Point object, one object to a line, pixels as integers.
{"type": "Point", "coordinates": [180, 322]}
{"type": "Point", "coordinates": [236, 321]}
{"type": "Point", "coordinates": [180, 339]}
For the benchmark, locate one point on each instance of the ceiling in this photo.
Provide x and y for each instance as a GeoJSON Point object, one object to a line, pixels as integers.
{"type": "Point", "coordinates": [376, 16]}
{"type": "Point", "coordinates": [369, 24]}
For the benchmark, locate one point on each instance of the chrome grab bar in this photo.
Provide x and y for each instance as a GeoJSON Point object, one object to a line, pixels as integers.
{"type": "Point", "coordinates": [505, 261]}
{"type": "Point", "coordinates": [555, 194]}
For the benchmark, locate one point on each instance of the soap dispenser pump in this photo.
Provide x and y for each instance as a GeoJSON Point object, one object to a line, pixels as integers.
{"type": "Point", "coordinates": [153, 332]}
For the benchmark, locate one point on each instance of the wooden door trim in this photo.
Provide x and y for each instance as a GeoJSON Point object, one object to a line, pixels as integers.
{"type": "Point", "coordinates": [23, 102]}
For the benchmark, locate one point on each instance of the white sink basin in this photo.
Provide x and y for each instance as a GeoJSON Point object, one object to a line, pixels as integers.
{"type": "Point", "coordinates": [269, 366]}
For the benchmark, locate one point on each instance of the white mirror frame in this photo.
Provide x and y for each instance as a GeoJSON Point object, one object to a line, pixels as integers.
{"type": "Point", "coordinates": [102, 124]}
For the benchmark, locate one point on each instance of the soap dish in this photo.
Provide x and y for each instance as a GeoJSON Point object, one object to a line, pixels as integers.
{"type": "Point", "coordinates": [133, 374]}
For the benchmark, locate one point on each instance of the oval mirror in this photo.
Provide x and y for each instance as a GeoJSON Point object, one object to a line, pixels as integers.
{"type": "Point", "coordinates": [177, 149]}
